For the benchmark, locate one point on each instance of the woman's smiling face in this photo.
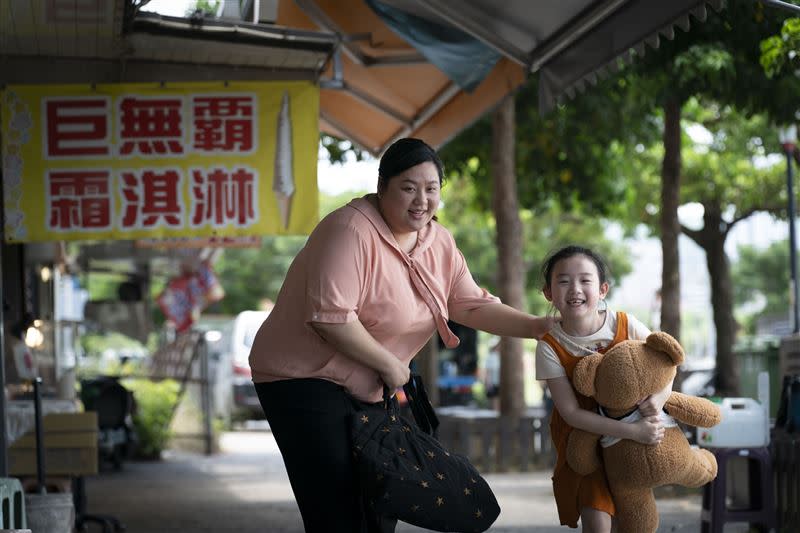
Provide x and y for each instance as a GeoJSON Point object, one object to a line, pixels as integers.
{"type": "Point", "coordinates": [409, 200]}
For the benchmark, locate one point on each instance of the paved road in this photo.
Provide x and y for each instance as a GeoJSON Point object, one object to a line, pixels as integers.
{"type": "Point", "coordinates": [244, 489]}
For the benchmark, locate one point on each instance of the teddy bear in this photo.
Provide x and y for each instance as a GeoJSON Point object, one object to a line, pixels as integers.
{"type": "Point", "coordinates": [628, 372]}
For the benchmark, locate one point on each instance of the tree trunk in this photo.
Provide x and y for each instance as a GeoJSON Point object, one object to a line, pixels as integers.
{"type": "Point", "coordinates": [511, 273]}
{"type": "Point", "coordinates": [712, 240]}
{"type": "Point", "coordinates": [670, 226]}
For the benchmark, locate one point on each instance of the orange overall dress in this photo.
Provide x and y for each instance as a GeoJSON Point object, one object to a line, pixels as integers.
{"type": "Point", "coordinates": [573, 491]}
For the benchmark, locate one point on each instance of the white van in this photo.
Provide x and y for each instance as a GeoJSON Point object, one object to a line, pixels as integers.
{"type": "Point", "coordinates": [229, 341]}
{"type": "Point", "coordinates": [245, 326]}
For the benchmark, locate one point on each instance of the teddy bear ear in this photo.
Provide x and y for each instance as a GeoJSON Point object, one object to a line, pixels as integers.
{"type": "Point", "coordinates": [664, 342]}
{"type": "Point", "coordinates": [585, 371]}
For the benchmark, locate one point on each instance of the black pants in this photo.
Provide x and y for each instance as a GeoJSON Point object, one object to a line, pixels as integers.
{"type": "Point", "coordinates": [310, 421]}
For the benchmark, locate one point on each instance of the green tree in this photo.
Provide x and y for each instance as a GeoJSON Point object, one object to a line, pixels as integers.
{"type": "Point", "coordinates": [251, 275]}
{"type": "Point", "coordinates": [717, 61]}
{"type": "Point", "coordinates": [723, 178]}
{"type": "Point", "coordinates": [730, 188]}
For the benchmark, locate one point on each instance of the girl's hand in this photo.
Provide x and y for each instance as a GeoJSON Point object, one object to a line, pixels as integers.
{"type": "Point", "coordinates": [396, 375]}
{"type": "Point", "coordinates": [648, 430]}
{"type": "Point", "coordinates": [542, 325]}
{"type": "Point", "coordinates": [654, 404]}
{"type": "Point", "coordinates": [649, 406]}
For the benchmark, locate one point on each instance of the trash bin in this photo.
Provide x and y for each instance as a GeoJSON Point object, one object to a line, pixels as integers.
{"type": "Point", "coordinates": [755, 355]}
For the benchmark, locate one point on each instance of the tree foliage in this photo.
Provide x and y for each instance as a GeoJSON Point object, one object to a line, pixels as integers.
{"type": "Point", "coordinates": [781, 53]}
{"type": "Point", "coordinates": [340, 150]}
{"type": "Point", "coordinates": [763, 275]}
{"type": "Point", "coordinates": [568, 158]}
{"type": "Point", "coordinates": [544, 232]}
{"type": "Point", "coordinates": [252, 275]}
{"type": "Point", "coordinates": [203, 8]}
{"type": "Point", "coordinates": [720, 59]}
{"type": "Point", "coordinates": [731, 171]}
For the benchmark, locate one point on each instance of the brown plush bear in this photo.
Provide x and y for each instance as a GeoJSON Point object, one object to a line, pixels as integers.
{"type": "Point", "coordinates": [618, 379]}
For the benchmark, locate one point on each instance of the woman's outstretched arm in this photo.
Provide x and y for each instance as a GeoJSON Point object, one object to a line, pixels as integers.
{"type": "Point", "coordinates": [505, 321]}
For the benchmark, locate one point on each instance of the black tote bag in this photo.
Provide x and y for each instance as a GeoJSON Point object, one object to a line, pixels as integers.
{"type": "Point", "coordinates": [406, 474]}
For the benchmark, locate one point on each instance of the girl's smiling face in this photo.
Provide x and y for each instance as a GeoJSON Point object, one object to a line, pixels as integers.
{"type": "Point", "coordinates": [575, 289]}
{"type": "Point", "coordinates": [409, 200]}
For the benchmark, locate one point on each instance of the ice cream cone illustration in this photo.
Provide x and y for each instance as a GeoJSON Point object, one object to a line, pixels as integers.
{"type": "Point", "coordinates": [283, 180]}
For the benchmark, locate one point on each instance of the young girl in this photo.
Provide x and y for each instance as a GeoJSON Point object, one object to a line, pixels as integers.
{"type": "Point", "coordinates": [576, 283]}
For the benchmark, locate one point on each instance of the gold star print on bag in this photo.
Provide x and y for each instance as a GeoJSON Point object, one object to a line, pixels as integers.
{"type": "Point", "coordinates": [406, 474]}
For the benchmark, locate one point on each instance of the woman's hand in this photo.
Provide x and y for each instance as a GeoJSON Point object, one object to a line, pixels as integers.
{"type": "Point", "coordinates": [396, 375]}
{"type": "Point", "coordinates": [542, 325]}
{"type": "Point", "coordinates": [648, 430]}
{"type": "Point", "coordinates": [353, 340]}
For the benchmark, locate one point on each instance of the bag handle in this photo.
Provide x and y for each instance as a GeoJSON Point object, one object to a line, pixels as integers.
{"type": "Point", "coordinates": [420, 405]}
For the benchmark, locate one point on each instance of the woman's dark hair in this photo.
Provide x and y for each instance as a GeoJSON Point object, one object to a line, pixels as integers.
{"type": "Point", "coordinates": [567, 252]}
{"type": "Point", "coordinates": [404, 154]}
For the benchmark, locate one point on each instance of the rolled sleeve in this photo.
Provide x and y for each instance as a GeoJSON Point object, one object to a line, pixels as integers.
{"type": "Point", "coordinates": [465, 294]}
{"type": "Point", "coordinates": [335, 275]}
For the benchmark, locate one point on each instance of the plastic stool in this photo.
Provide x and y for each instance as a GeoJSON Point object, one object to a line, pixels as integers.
{"type": "Point", "coordinates": [761, 512]}
{"type": "Point", "coordinates": [12, 504]}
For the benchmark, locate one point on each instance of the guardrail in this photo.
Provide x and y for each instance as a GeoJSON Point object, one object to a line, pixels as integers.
{"type": "Point", "coordinates": [495, 443]}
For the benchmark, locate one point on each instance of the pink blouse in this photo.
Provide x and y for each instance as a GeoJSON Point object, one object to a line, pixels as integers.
{"type": "Point", "coordinates": [351, 268]}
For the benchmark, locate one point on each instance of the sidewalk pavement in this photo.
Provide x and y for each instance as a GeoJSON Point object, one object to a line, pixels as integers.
{"type": "Point", "coordinates": [244, 489]}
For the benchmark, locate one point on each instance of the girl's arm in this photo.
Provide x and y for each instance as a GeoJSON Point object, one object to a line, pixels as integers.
{"type": "Point", "coordinates": [353, 340]}
{"type": "Point", "coordinates": [647, 430]}
{"type": "Point", "coordinates": [505, 321]}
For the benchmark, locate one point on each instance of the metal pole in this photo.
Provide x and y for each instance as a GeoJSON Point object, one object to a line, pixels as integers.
{"type": "Point", "coordinates": [37, 414]}
{"type": "Point", "coordinates": [795, 295]}
{"type": "Point", "coordinates": [205, 395]}
{"type": "Point", "coordinates": [3, 406]}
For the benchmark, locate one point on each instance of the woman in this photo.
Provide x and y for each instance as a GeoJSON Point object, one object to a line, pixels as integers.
{"type": "Point", "coordinates": [365, 294]}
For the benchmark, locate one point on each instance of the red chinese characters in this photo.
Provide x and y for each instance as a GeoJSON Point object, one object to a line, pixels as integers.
{"type": "Point", "coordinates": [150, 126]}
{"type": "Point", "coordinates": [224, 123]}
{"type": "Point", "coordinates": [151, 199]}
{"type": "Point", "coordinates": [146, 160]}
{"type": "Point", "coordinates": [77, 127]}
{"type": "Point", "coordinates": [221, 197]}
{"type": "Point", "coordinates": [78, 200]}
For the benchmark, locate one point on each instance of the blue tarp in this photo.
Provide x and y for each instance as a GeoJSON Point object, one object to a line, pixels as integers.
{"type": "Point", "coordinates": [464, 59]}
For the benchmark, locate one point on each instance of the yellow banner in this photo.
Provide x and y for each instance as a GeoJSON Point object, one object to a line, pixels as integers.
{"type": "Point", "coordinates": [151, 161]}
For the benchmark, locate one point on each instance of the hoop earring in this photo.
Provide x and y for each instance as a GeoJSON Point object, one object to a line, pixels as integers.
{"type": "Point", "coordinates": [604, 307]}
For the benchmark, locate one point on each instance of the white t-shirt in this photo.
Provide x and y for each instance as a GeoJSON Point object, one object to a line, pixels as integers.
{"type": "Point", "coordinates": [548, 365]}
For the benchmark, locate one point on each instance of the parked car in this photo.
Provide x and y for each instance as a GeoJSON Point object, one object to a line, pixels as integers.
{"type": "Point", "coordinates": [229, 340]}
{"type": "Point", "coordinates": [698, 377]}
{"type": "Point", "coordinates": [245, 326]}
